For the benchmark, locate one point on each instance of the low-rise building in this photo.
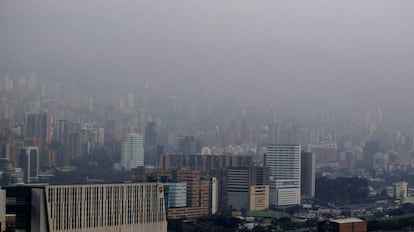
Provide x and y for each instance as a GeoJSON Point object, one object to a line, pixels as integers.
{"type": "Point", "coordinates": [343, 225]}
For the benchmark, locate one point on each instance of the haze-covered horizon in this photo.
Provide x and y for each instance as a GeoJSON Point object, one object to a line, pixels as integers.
{"type": "Point", "coordinates": [338, 54]}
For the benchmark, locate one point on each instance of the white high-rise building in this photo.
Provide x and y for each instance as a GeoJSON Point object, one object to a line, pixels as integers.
{"type": "Point", "coordinates": [132, 151]}
{"type": "Point", "coordinates": [284, 167]}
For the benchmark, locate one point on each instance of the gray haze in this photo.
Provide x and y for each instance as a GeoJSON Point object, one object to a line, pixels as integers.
{"type": "Point", "coordinates": [333, 53]}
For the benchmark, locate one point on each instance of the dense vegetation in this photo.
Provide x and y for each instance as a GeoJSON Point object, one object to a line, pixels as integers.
{"type": "Point", "coordinates": [341, 190]}
{"type": "Point", "coordinates": [97, 167]}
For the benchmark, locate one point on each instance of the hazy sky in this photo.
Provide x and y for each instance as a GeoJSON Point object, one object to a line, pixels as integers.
{"type": "Point", "coordinates": [301, 52]}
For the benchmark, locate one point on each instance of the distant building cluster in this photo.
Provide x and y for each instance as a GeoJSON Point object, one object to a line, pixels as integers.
{"type": "Point", "coordinates": [185, 157]}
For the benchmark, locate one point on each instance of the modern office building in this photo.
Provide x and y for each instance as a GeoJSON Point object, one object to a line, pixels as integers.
{"type": "Point", "coordinates": [242, 183]}
{"type": "Point", "coordinates": [175, 194]}
{"type": "Point", "coordinates": [284, 167]}
{"type": "Point", "coordinates": [307, 172]}
{"type": "Point", "coordinates": [132, 151]}
{"type": "Point", "coordinates": [29, 162]}
{"type": "Point", "coordinates": [152, 157]}
{"type": "Point", "coordinates": [88, 208]}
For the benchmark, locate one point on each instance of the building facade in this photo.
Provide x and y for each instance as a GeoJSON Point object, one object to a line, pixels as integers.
{"type": "Point", "coordinates": [132, 151]}
{"type": "Point", "coordinates": [99, 207]}
{"type": "Point", "coordinates": [307, 172]}
{"type": "Point", "coordinates": [259, 197]}
{"type": "Point", "coordinates": [239, 186]}
{"type": "Point", "coordinates": [199, 189]}
{"type": "Point", "coordinates": [29, 162]}
{"type": "Point", "coordinates": [400, 190]}
{"type": "Point", "coordinates": [176, 194]}
{"type": "Point", "coordinates": [2, 210]}
{"type": "Point", "coordinates": [343, 225]}
{"type": "Point", "coordinates": [284, 162]}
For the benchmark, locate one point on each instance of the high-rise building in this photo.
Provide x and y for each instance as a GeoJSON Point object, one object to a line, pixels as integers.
{"type": "Point", "coordinates": [39, 125]}
{"type": "Point", "coordinates": [242, 183]}
{"type": "Point", "coordinates": [371, 147]}
{"type": "Point", "coordinates": [325, 152]}
{"type": "Point", "coordinates": [188, 145]}
{"type": "Point", "coordinates": [284, 167]}
{"type": "Point", "coordinates": [150, 145]}
{"type": "Point", "coordinates": [132, 151]}
{"type": "Point", "coordinates": [29, 162]}
{"type": "Point", "coordinates": [213, 195]}
{"type": "Point", "coordinates": [307, 172]}
{"type": "Point", "coordinates": [32, 81]}
{"type": "Point", "coordinates": [98, 207]}
{"type": "Point", "coordinates": [130, 101]}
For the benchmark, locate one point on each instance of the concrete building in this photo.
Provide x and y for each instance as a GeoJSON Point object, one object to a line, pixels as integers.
{"type": "Point", "coordinates": [400, 190]}
{"type": "Point", "coordinates": [307, 173]}
{"type": "Point", "coordinates": [205, 162]}
{"type": "Point", "coordinates": [2, 210]}
{"type": "Point", "coordinates": [92, 208]}
{"type": "Point", "coordinates": [132, 151]}
{"type": "Point", "coordinates": [325, 152]}
{"type": "Point", "coordinates": [258, 197]}
{"type": "Point", "coordinates": [188, 145]}
{"type": "Point", "coordinates": [284, 162]}
{"type": "Point", "coordinates": [29, 162]}
{"type": "Point", "coordinates": [39, 125]}
{"type": "Point", "coordinates": [199, 189]}
{"type": "Point", "coordinates": [343, 225]}
{"type": "Point", "coordinates": [213, 195]}
{"type": "Point", "coordinates": [244, 184]}
{"type": "Point", "coordinates": [284, 192]}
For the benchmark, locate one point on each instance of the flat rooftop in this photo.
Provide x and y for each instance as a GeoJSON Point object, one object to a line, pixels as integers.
{"type": "Point", "coordinates": [347, 220]}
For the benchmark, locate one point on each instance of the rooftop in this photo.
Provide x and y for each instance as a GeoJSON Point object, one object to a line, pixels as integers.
{"type": "Point", "coordinates": [347, 220]}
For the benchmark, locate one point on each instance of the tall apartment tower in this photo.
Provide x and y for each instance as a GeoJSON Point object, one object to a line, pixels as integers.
{"type": "Point", "coordinates": [307, 179]}
{"type": "Point", "coordinates": [188, 145]}
{"type": "Point", "coordinates": [39, 125]}
{"type": "Point", "coordinates": [29, 162]}
{"type": "Point", "coordinates": [132, 151]}
{"type": "Point", "coordinates": [284, 165]}
{"type": "Point", "coordinates": [150, 145]}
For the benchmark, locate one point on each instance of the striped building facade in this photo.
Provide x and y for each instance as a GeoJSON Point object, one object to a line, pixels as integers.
{"type": "Point", "coordinates": [98, 207]}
